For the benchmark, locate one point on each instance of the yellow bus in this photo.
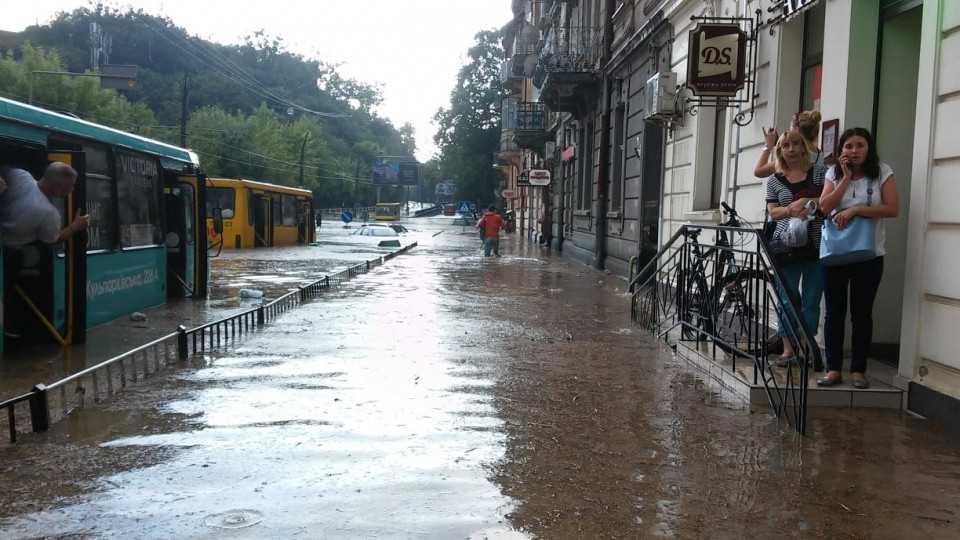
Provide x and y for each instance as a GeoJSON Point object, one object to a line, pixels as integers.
{"type": "Point", "coordinates": [256, 214]}
{"type": "Point", "coordinates": [386, 211]}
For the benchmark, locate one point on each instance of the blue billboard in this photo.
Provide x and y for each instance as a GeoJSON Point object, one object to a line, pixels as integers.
{"type": "Point", "coordinates": [396, 171]}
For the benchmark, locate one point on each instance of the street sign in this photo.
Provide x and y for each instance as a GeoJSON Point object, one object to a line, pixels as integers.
{"type": "Point", "coordinates": [539, 177]}
{"type": "Point", "coordinates": [508, 194]}
{"type": "Point", "coordinates": [346, 216]}
{"type": "Point", "coordinates": [465, 207]}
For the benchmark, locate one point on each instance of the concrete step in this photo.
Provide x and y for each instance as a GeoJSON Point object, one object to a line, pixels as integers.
{"type": "Point", "coordinates": [741, 380]}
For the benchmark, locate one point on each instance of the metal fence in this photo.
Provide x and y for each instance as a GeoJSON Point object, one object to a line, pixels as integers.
{"type": "Point", "coordinates": [45, 404]}
{"type": "Point", "coordinates": [723, 302]}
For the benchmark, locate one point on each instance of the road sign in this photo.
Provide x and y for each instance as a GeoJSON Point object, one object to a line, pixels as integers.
{"type": "Point", "coordinates": [539, 177]}
{"type": "Point", "coordinates": [465, 207]}
{"type": "Point", "coordinates": [346, 216]}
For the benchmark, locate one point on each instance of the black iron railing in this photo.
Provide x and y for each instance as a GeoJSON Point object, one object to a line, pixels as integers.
{"type": "Point", "coordinates": [723, 301]}
{"type": "Point", "coordinates": [45, 404]}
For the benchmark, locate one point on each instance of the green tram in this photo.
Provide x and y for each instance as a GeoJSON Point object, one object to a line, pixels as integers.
{"type": "Point", "coordinates": [147, 236]}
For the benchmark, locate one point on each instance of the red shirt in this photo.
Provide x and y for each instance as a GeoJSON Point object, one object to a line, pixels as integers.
{"type": "Point", "coordinates": [491, 223]}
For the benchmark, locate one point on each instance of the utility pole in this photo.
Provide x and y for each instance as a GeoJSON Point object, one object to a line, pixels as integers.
{"type": "Point", "coordinates": [303, 149]}
{"type": "Point", "coordinates": [183, 114]}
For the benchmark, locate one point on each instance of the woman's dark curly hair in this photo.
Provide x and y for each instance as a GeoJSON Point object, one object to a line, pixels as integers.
{"type": "Point", "coordinates": [871, 164]}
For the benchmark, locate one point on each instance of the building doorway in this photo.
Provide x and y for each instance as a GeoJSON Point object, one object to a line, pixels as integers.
{"type": "Point", "coordinates": [893, 126]}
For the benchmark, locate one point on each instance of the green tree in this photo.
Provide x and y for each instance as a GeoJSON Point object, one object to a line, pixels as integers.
{"type": "Point", "coordinates": [249, 106]}
{"type": "Point", "coordinates": [469, 131]}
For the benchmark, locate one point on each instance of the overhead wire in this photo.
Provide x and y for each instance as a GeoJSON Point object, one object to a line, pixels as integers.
{"type": "Point", "coordinates": [208, 56]}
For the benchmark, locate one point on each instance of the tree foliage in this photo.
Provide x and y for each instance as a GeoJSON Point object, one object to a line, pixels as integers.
{"type": "Point", "coordinates": [469, 131]}
{"type": "Point", "coordinates": [250, 107]}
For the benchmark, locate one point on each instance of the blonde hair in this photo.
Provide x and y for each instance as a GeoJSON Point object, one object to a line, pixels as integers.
{"type": "Point", "coordinates": [796, 138]}
{"type": "Point", "coordinates": [808, 124]}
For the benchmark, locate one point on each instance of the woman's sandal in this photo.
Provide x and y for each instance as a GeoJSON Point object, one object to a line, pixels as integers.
{"type": "Point", "coordinates": [828, 380]}
{"type": "Point", "coordinates": [784, 361]}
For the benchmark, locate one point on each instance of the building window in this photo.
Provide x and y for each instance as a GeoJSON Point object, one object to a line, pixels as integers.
{"type": "Point", "coordinates": [616, 177]}
{"type": "Point", "coordinates": [812, 57]}
{"type": "Point", "coordinates": [586, 170]}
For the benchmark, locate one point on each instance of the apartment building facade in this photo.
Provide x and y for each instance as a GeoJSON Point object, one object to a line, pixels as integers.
{"type": "Point", "coordinates": [633, 152]}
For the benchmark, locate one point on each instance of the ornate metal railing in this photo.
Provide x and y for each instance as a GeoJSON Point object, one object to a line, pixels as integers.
{"type": "Point", "coordinates": [45, 404]}
{"type": "Point", "coordinates": [722, 301]}
{"type": "Point", "coordinates": [573, 49]}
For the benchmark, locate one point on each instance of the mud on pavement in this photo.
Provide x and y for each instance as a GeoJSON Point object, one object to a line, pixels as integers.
{"type": "Point", "coordinates": [445, 395]}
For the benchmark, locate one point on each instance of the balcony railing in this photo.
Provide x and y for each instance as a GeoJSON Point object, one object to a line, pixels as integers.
{"type": "Point", "coordinates": [526, 40]}
{"type": "Point", "coordinates": [574, 49]}
{"type": "Point", "coordinates": [530, 116]}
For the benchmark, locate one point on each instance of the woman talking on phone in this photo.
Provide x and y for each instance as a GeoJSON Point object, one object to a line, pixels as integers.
{"type": "Point", "coordinates": [859, 186]}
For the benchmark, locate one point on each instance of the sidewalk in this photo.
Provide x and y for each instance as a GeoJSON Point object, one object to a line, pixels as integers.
{"type": "Point", "coordinates": [447, 395]}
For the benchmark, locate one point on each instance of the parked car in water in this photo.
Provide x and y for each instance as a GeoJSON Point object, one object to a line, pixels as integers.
{"type": "Point", "coordinates": [449, 209]}
{"type": "Point", "coordinates": [383, 235]}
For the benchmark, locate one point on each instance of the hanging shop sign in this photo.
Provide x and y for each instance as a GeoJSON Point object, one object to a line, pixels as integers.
{"type": "Point", "coordinates": [567, 153]}
{"type": "Point", "coordinates": [508, 194]}
{"type": "Point", "coordinates": [539, 177]}
{"type": "Point", "coordinates": [718, 53]}
{"type": "Point", "coordinates": [523, 179]}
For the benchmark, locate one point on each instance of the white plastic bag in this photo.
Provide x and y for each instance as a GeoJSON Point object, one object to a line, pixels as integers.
{"type": "Point", "coordinates": [795, 235]}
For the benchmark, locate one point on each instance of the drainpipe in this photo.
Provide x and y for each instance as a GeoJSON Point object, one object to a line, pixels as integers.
{"type": "Point", "coordinates": [561, 186]}
{"type": "Point", "coordinates": [603, 171]}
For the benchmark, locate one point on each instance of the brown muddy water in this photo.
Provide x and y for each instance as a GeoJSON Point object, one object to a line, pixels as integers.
{"type": "Point", "coordinates": [448, 396]}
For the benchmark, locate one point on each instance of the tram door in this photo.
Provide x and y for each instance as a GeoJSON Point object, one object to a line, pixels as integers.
{"type": "Point", "coordinates": [262, 221]}
{"type": "Point", "coordinates": [180, 237]}
{"type": "Point", "coordinates": [52, 300]}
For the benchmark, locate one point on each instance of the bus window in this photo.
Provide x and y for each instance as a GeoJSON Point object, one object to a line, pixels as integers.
{"type": "Point", "coordinates": [289, 204]}
{"type": "Point", "coordinates": [139, 198]}
{"type": "Point", "coordinates": [277, 210]}
{"type": "Point", "coordinates": [100, 204]}
{"type": "Point", "coordinates": [225, 198]}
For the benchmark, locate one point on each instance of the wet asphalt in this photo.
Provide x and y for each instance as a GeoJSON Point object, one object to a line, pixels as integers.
{"type": "Point", "coordinates": [445, 395]}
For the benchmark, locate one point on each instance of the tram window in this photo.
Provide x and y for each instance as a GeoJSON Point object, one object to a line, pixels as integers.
{"type": "Point", "coordinates": [225, 198]}
{"type": "Point", "coordinates": [289, 210]}
{"type": "Point", "coordinates": [100, 204]}
{"type": "Point", "coordinates": [139, 199]}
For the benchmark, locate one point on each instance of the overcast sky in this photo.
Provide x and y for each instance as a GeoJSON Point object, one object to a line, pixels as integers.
{"type": "Point", "coordinates": [414, 48]}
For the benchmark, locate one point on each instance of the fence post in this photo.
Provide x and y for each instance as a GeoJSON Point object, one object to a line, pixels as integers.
{"type": "Point", "coordinates": [303, 294]}
{"type": "Point", "coordinates": [39, 409]}
{"type": "Point", "coordinates": [182, 342]}
{"type": "Point", "coordinates": [260, 316]}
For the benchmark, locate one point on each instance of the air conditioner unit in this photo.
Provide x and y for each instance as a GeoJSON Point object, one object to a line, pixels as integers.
{"type": "Point", "coordinates": [660, 98]}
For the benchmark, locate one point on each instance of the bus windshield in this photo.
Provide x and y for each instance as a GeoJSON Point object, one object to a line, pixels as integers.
{"type": "Point", "coordinates": [224, 197]}
{"type": "Point", "coordinates": [386, 211]}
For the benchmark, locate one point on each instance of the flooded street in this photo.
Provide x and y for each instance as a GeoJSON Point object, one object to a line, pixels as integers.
{"type": "Point", "coordinates": [445, 395]}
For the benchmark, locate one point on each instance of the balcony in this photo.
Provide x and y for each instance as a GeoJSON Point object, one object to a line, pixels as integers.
{"type": "Point", "coordinates": [509, 150]}
{"type": "Point", "coordinates": [567, 72]}
{"type": "Point", "coordinates": [508, 80]}
{"type": "Point", "coordinates": [524, 46]}
{"type": "Point", "coordinates": [530, 125]}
